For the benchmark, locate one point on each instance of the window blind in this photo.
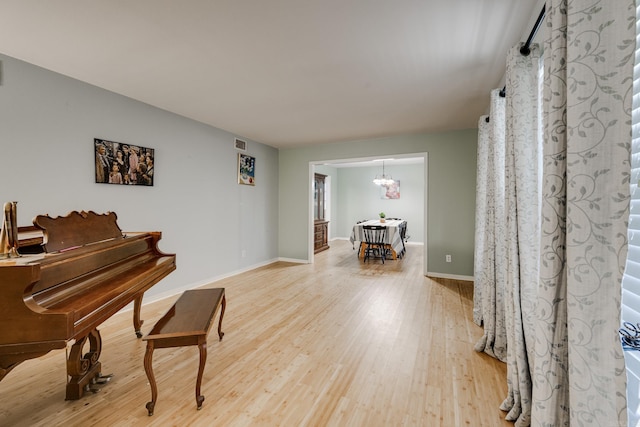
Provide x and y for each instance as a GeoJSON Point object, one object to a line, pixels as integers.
{"type": "Point", "coordinates": [631, 278]}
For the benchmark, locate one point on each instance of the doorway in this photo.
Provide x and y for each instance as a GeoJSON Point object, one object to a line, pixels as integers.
{"type": "Point", "coordinates": [340, 223]}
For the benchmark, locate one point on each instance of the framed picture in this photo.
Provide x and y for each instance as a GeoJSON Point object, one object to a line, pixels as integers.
{"type": "Point", "coordinates": [391, 191]}
{"type": "Point", "coordinates": [246, 169]}
{"type": "Point", "coordinates": [123, 164]}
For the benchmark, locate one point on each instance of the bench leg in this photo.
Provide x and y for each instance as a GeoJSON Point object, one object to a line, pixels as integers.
{"type": "Point", "coordinates": [148, 368]}
{"type": "Point", "coordinates": [203, 359]}
{"type": "Point", "coordinates": [224, 306]}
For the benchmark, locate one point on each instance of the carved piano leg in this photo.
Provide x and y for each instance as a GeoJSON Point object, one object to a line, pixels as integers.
{"type": "Point", "coordinates": [83, 370]}
{"type": "Point", "coordinates": [148, 368]}
{"type": "Point", "coordinates": [137, 322]}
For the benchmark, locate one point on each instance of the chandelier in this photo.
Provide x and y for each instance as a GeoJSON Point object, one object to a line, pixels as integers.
{"type": "Point", "coordinates": [384, 180]}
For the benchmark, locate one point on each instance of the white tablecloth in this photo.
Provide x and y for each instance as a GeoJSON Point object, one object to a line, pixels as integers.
{"type": "Point", "coordinates": [392, 236]}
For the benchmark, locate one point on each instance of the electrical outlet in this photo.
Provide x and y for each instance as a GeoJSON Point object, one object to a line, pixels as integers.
{"type": "Point", "coordinates": [244, 253]}
{"type": "Point", "coordinates": [448, 258]}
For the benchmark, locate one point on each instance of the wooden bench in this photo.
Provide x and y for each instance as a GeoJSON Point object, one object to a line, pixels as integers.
{"type": "Point", "coordinates": [186, 323]}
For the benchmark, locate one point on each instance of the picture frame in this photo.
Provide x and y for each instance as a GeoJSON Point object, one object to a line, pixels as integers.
{"type": "Point", "coordinates": [246, 169]}
{"type": "Point", "coordinates": [123, 164]}
{"type": "Point", "coordinates": [391, 191]}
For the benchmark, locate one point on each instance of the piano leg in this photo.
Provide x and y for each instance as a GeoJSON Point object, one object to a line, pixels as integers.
{"type": "Point", "coordinates": [82, 370]}
{"type": "Point", "coordinates": [137, 323]}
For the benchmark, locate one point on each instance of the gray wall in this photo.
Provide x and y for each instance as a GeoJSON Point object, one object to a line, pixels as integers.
{"type": "Point", "coordinates": [451, 192]}
{"type": "Point", "coordinates": [215, 226]}
{"type": "Point", "coordinates": [47, 126]}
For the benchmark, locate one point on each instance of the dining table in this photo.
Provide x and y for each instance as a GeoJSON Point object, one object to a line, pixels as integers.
{"type": "Point", "coordinates": [392, 238]}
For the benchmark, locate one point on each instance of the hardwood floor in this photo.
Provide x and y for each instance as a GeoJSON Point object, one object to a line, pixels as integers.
{"type": "Point", "coordinates": [335, 343]}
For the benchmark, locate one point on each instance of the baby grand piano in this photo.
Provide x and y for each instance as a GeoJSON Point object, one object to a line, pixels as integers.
{"type": "Point", "coordinates": [89, 270]}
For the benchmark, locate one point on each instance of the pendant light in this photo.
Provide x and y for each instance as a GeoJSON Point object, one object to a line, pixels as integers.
{"type": "Point", "coordinates": [384, 180]}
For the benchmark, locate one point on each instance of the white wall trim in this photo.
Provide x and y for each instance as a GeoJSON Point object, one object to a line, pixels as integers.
{"type": "Point", "coordinates": [450, 276]}
{"type": "Point", "coordinates": [296, 260]}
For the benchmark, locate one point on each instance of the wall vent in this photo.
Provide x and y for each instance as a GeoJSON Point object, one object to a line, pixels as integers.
{"type": "Point", "coordinates": [241, 145]}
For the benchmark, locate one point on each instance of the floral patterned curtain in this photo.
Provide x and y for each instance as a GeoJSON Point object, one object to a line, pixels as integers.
{"type": "Point", "coordinates": [482, 265]}
{"type": "Point", "coordinates": [490, 234]}
{"type": "Point", "coordinates": [523, 198]}
{"type": "Point", "coordinates": [549, 265]}
{"type": "Point", "coordinates": [579, 376]}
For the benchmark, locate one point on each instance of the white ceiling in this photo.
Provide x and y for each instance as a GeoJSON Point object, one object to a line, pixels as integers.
{"type": "Point", "coordinates": [282, 72]}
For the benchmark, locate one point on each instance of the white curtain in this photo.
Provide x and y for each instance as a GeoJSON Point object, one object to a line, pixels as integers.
{"type": "Point", "coordinates": [490, 234]}
{"type": "Point", "coordinates": [523, 198]}
{"type": "Point", "coordinates": [482, 264]}
{"type": "Point", "coordinates": [549, 265]}
{"type": "Point", "coordinates": [579, 374]}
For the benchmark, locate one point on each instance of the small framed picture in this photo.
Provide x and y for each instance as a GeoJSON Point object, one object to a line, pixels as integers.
{"type": "Point", "coordinates": [391, 191]}
{"type": "Point", "coordinates": [246, 169]}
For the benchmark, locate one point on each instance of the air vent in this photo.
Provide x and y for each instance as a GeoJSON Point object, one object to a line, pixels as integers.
{"type": "Point", "coordinates": [241, 145]}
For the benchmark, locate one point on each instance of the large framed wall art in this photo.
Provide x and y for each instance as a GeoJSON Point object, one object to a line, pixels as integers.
{"type": "Point", "coordinates": [123, 164]}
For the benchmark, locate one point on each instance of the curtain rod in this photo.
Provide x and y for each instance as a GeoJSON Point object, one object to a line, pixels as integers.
{"type": "Point", "coordinates": [525, 50]}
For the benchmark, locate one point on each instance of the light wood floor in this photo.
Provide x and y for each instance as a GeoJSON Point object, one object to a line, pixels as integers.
{"type": "Point", "coordinates": [335, 343]}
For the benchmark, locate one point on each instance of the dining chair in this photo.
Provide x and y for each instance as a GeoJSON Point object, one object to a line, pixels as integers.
{"type": "Point", "coordinates": [374, 240]}
{"type": "Point", "coordinates": [403, 237]}
{"type": "Point", "coordinates": [352, 244]}
{"type": "Point", "coordinates": [402, 229]}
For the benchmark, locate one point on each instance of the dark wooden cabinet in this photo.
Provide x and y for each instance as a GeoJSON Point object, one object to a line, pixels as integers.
{"type": "Point", "coordinates": [321, 235]}
{"type": "Point", "coordinates": [321, 226]}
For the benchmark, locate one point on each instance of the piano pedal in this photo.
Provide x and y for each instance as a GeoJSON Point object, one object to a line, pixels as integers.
{"type": "Point", "coordinates": [101, 379]}
{"type": "Point", "coordinates": [91, 388]}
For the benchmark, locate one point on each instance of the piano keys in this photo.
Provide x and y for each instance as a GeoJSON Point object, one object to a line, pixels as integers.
{"type": "Point", "coordinates": [89, 271]}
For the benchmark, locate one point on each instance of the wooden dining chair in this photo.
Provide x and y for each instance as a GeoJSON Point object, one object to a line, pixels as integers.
{"type": "Point", "coordinates": [374, 240]}
{"type": "Point", "coordinates": [352, 244]}
{"type": "Point", "coordinates": [403, 237]}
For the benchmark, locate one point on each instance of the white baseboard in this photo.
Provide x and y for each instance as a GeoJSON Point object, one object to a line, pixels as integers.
{"type": "Point", "coordinates": [450, 276]}
{"type": "Point", "coordinates": [295, 260]}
